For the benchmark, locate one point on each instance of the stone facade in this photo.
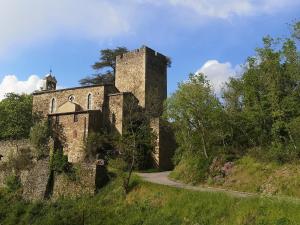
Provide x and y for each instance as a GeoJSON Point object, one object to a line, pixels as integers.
{"type": "Point", "coordinates": [141, 80]}
{"type": "Point", "coordinates": [11, 147]}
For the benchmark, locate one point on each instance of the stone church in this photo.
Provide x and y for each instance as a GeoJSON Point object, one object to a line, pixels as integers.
{"type": "Point", "coordinates": [140, 78]}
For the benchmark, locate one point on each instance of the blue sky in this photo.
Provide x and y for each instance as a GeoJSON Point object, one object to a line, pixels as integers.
{"type": "Point", "coordinates": [212, 36]}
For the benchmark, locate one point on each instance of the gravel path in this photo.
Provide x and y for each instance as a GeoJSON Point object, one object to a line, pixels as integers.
{"type": "Point", "coordinates": [163, 178]}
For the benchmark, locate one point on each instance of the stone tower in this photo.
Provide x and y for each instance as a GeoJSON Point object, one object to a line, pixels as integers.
{"type": "Point", "coordinates": [143, 72]}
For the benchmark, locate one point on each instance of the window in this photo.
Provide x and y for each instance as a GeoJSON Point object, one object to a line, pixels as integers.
{"type": "Point", "coordinates": [71, 98]}
{"type": "Point", "coordinates": [89, 102]}
{"type": "Point", "coordinates": [75, 118]}
{"type": "Point", "coordinates": [52, 107]}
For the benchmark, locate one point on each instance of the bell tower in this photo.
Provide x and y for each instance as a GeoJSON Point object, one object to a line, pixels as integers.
{"type": "Point", "coordinates": [49, 82]}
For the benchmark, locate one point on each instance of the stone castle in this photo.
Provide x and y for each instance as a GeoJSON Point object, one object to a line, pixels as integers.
{"type": "Point", "coordinates": [140, 78]}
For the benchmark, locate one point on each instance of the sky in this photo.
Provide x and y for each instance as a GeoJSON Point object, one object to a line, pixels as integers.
{"type": "Point", "coordinates": [210, 36]}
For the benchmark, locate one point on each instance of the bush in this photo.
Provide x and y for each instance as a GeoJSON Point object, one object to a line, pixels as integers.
{"type": "Point", "coordinates": [59, 162]}
{"type": "Point", "coordinates": [39, 138]}
{"type": "Point", "coordinates": [13, 183]}
{"type": "Point", "coordinates": [192, 168]}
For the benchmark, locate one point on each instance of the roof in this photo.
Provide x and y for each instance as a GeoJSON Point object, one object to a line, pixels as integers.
{"type": "Point", "coordinates": [73, 88]}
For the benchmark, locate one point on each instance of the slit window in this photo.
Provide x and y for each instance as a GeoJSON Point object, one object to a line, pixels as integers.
{"type": "Point", "coordinates": [89, 102]}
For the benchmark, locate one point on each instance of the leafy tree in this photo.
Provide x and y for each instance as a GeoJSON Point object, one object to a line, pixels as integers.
{"type": "Point", "coordinates": [196, 115]}
{"type": "Point", "coordinates": [105, 67]}
{"type": "Point", "coordinates": [137, 142]}
{"type": "Point", "coordinates": [263, 104]}
{"type": "Point", "coordinates": [16, 116]}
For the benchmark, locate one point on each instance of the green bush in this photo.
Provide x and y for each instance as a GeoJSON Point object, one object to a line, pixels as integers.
{"type": "Point", "coordinates": [13, 183]}
{"type": "Point", "coordinates": [59, 162]}
{"type": "Point", "coordinates": [192, 168]}
{"type": "Point", "coordinates": [39, 138]}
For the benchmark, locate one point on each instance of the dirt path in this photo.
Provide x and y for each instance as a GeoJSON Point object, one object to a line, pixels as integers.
{"type": "Point", "coordinates": [163, 178]}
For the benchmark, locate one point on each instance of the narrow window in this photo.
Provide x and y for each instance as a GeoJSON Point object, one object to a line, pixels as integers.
{"type": "Point", "coordinates": [89, 102]}
{"type": "Point", "coordinates": [75, 118]}
{"type": "Point", "coordinates": [52, 110]}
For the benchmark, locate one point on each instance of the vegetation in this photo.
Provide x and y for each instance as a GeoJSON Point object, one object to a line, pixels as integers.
{"type": "Point", "coordinates": [258, 115]}
{"type": "Point", "coordinates": [39, 138]}
{"type": "Point", "coordinates": [106, 63]}
{"type": "Point", "coordinates": [15, 116]}
{"type": "Point", "coordinates": [148, 204]}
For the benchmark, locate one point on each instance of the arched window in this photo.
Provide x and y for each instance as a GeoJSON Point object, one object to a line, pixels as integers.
{"type": "Point", "coordinates": [53, 103]}
{"type": "Point", "coordinates": [89, 101]}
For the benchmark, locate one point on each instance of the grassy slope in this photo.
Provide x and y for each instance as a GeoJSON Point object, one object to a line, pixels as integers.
{"type": "Point", "coordinates": [250, 175]}
{"type": "Point", "coordinates": [149, 204]}
{"type": "Point", "coordinates": [266, 178]}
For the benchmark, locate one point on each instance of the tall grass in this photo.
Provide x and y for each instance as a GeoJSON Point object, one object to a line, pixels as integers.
{"type": "Point", "coordinates": [148, 204]}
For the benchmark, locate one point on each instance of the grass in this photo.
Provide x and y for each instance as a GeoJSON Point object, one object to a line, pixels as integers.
{"type": "Point", "coordinates": [251, 175]}
{"type": "Point", "coordinates": [148, 204]}
{"type": "Point", "coordinates": [248, 175]}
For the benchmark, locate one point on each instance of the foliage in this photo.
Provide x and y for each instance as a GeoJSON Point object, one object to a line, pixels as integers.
{"type": "Point", "coordinates": [263, 104]}
{"type": "Point", "coordinates": [13, 183]}
{"type": "Point", "coordinates": [106, 63]}
{"type": "Point", "coordinates": [137, 142]}
{"type": "Point", "coordinates": [192, 168]}
{"type": "Point", "coordinates": [197, 116]}
{"type": "Point", "coordinates": [98, 142]}
{"type": "Point", "coordinates": [15, 116]}
{"type": "Point", "coordinates": [59, 162]}
{"type": "Point", "coordinates": [39, 138]}
{"type": "Point", "coordinates": [149, 204]}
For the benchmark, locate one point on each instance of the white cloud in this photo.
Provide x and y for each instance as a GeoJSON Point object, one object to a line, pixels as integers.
{"type": "Point", "coordinates": [218, 73]}
{"type": "Point", "coordinates": [10, 83]}
{"type": "Point", "coordinates": [25, 22]}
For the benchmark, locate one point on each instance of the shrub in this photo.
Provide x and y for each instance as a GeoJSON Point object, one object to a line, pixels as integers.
{"type": "Point", "coordinates": [13, 183]}
{"type": "Point", "coordinates": [39, 138]}
{"type": "Point", "coordinates": [59, 162]}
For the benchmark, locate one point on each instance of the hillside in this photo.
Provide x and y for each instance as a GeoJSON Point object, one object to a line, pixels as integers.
{"type": "Point", "coordinates": [148, 204]}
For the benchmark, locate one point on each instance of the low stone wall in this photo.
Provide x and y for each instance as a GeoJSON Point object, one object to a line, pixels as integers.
{"type": "Point", "coordinates": [8, 147]}
{"type": "Point", "coordinates": [84, 183]}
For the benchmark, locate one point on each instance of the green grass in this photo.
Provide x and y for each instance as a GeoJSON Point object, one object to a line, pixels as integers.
{"type": "Point", "coordinates": [148, 204]}
{"type": "Point", "coordinates": [247, 175]}
{"type": "Point", "coordinates": [250, 175]}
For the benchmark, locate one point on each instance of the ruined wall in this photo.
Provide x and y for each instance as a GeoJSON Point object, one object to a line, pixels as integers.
{"type": "Point", "coordinates": [83, 184]}
{"type": "Point", "coordinates": [165, 144]}
{"type": "Point", "coordinates": [35, 184]}
{"type": "Point", "coordinates": [7, 147]}
{"type": "Point", "coordinates": [42, 100]}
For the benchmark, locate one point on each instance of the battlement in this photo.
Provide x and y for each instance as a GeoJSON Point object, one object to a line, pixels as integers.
{"type": "Point", "coordinates": [139, 52]}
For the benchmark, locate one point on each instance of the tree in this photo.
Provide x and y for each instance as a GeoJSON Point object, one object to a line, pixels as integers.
{"type": "Point", "coordinates": [137, 142]}
{"type": "Point", "coordinates": [16, 116]}
{"type": "Point", "coordinates": [196, 115]}
{"type": "Point", "coordinates": [105, 67]}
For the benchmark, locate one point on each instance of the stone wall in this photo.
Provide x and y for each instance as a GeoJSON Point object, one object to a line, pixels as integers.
{"type": "Point", "coordinates": [35, 181]}
{"type": "Point", "coordinates": [156, 82]}
{"type": "Point", "coordinates": [71, 130]}
{"type": "Point", "coordinates": [8, 147]}
{"type": "Point", "coordinates": [130, 74]}
{"type": "Point", "coordinates": [83, 184]}
{"type": "Point", "coordinates": [42, 100]}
